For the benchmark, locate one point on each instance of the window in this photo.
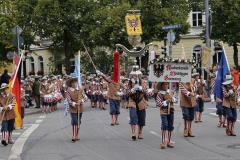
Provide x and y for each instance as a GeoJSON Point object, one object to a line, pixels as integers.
{"type": "Point", "coordinates": [40, 63]}
{"type": "Point", "coordinates": [197, 55]}
{"type": "Point", "coordinates": [31, 64]}
{"type": "Point", "coordinates": [196, 18]}
{"type": "Point", "coordinates": [216, 57]}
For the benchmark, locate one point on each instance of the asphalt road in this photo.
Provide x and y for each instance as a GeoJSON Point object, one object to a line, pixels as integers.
{"type": "Point", "coordinates": [48, 137]}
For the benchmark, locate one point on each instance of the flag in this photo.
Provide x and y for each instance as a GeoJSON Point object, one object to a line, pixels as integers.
{"type": "Point", "coordinates": [77, 73]}
{"type": "Point", "coordinates": [221, 75]}
{"type": "Point", "coordinates": [15, 88]}
{"type": "Point", "coordinates": [65, 102]}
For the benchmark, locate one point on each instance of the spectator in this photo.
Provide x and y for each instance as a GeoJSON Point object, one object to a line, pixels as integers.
{"type": "Point", "coordinates": [5, 77]}
{"type": "Point", "coordinates": [36, 92]}
{"type": "Point", "coordinates": [235, 74]}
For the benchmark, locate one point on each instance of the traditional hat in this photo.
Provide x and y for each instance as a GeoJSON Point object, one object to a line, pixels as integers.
{"type": "Point", "coordinates": [68, 82]}
{"type": "Point", "coordinates": [195, 74]}
{"type": "Point", "coordinates": [53, 78]}
{"type": "Point", "coordinates": [4, 85]}
{"type": "Point", "coordinates": [159, 85]}
{"type": "Point", "coordinates": [44, 78]}
{"type": "Point", "coordinates": [229, 79]}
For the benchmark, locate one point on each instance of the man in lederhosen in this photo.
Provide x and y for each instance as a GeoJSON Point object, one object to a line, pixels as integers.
{"type": "Point", "coordinates": [137, 104]}
{"type": "Point", "coordinates": [75, 97]}
{"type": "Point", "coordinates": [7, 102]}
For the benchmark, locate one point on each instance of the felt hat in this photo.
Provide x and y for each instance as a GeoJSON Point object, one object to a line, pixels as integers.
{"type": "Point", "coordinates": [68, 82]}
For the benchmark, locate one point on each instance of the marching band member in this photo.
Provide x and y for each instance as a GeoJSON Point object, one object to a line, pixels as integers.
{"type": "Point", "coordinates": [136, 90]}
{"type": "Point", "coordinates": [28, 90]}
{"type": "Point", "coordinates": [22, 103]}
{"type": "Point", "coordinates": [75, 97]}
{"type": "Point", "coordinates": [124, 98]}
{"type": "Point", "coordinates": [7, 102]}
{"type": "Point", "coordinates": [104, 89]}
{"type": "Point", "coordinates": [91, 90]}
{"type": "Point", "coordinates": [187, 103]}
{"type": "Point", "coordinates": [229, 101]}
{"type": "Point", "coordinates": [199, 84]}
{"type": "Point", "coordinates": [114, 91]}
{"type": "Point", "coordinates": [165, 99]}
{"type": "Point", "coordinates": [44, 90]}
{"type": "Point", "coordinates": [97, 92]}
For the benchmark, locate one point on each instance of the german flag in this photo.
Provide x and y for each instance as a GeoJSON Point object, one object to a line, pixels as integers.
{"type": "Point", "coordinates": [15, 88]}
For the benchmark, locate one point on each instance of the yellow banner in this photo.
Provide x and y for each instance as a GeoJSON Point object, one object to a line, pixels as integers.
{"type": "Point", "coordinates": [206, 56]}
{"type": "Point", "coordinates": [133, 24]}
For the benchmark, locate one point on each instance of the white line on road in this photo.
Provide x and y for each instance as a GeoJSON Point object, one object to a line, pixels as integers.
{"type": "Point", "coordinates": [158, 135]}
{"type": "Point", "coordinates": [128, 118]}
{"type": "Point", "coordinates": [211, 108]}
{"type": "Point", "coordinates": [39, 120]}
{"type": "Point", "coordinates": [42, 117]}
{"type": "Point", "coordinates": [17, 147]}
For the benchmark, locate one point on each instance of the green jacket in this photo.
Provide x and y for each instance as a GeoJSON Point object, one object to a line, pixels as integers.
{"type": "Point", "coordinates": [35, 88]}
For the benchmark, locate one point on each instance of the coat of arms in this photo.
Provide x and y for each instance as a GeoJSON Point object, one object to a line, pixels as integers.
{"type": "Point", "coordinates": [158, 70]}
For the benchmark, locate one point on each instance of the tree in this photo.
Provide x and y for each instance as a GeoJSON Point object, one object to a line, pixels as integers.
{"type": "Point", "coordinates": [154, 15]}
{"type": "Point", "coordinates": [65, 22]}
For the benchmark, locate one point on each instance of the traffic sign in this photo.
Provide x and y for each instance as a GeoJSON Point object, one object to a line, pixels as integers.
{"type": "Point", "coordinates": [10, 55]}
{"type": "Point", "coordinates": [175, 26]}
{"type": "Point", "coordinates": [15, 41]}
{"type": "Point", "coordinates": [17, 30]}
{"type": "Point", "coordinates": [170, 36]}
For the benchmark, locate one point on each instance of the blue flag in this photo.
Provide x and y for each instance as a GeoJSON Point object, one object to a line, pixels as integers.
{"type": "Point", "coordinates": [221, 75]}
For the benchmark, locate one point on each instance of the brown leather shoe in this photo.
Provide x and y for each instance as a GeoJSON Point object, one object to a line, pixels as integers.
{"type": "Point", "coordinates": [190, 134]}
{"type": "Point", "coordinates": [117, 123]}
{"type": "Point", "coordinates": [233, 133]}
{"type": "Point", "coordinates": [196, 120]}
{"type": "Point", "coordinates": [162, 145]}
{"type": "Point", "coordinates": [228, 132]}
{"type": "Point", "coordinates": [140, 136]}
{"type": "Point", "coordinates": [77, 138]}
{"type": "Point", "coordinates": [199, 120]}
{"type": "Point", "coordinates": [73, 139]}
{"type": "Point", "coordinates": [225, 125]}
{"type": "Point", "coordinates": [134, 136]}
{"type": "Point", "coordinates": [185, 133]}
{"type": "Point", "coordinates": [170, 145]}
{"type": "Point", "coordinates": [219, 123]}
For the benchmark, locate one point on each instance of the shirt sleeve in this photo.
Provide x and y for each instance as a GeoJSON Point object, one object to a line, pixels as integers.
{"type": "Point", "coordinates": [70, 102]}
{"type": "Point", "coordinates": [225, 93]}
{"type": "Point", "coordinates": [183, 90]}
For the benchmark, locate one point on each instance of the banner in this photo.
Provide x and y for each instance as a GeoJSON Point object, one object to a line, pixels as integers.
{"type": "Point", "coordinates": [133, 24]}
{"type": "Point", "coordinates": [170, 72]}
{"type": "Point", "coordinates": [206, 56]}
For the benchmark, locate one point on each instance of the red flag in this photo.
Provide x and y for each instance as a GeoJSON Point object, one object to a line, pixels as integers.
{"type": "Point", "coordinates": [16, 88]}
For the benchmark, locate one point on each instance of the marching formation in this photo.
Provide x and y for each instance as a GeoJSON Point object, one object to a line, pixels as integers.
{"type": "Point", "coordinates": [131, 91]}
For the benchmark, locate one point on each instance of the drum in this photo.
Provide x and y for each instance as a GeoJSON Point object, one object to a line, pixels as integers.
{"type": "Point", "coordinates": [150, 93]}
{"type": "Point", "coordinates": [60, 97]}
{"type": "Point", "coordinates": [105, 94]}
{"type": "Point", "coordinates": [48, 98]}
{"type": "Point", "coordinates": [55, 97]}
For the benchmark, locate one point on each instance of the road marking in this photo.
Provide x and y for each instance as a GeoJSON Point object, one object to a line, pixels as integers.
{"type": "Point", "coordinates": [12, 133]}
{"type": "Point", "coordinates": [17, 147]}
{"type": "Point", "coordinates": [158, 135]}
{"type": "Point", "coordinates": [42, 117]}
{"type": "Point", "coordinates": [213, 114]}
{"type": "Point", "coordinates": [211, 108]}
{"type": "Point", "coordinates": [128, 118]}
{"type": "Point", "coordinates": [39, 120]}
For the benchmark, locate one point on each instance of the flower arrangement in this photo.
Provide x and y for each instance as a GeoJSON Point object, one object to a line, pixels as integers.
{"type": "Point", "coordinates": [175, 60]}
{"type": "Point", "coordinates": [40, 72]}
{"type": "Point", "coordinates": [31, 73]}
{"type": "Point", "coordinates": [56, 72]}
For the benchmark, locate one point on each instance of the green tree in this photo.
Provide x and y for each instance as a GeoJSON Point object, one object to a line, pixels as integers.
{"type": "Point", "coordinates": [65, 22]}
{"type": "Point", "coordinates": [154, 15]}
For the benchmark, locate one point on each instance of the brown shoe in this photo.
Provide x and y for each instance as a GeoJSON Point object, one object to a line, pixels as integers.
{"type": "Point", "coordinates": [228, 132]}
{"type": "Point", "coordinates": [225, 125]}
{"type": "Point", "coordinates": [185, 133]}
{"type": "Point", "coordinates": [233, 133]}
{"type": "Point", "coordinates": [199, 120]}
{"type": "Point", "coordinates": [134, 136]}
{"type": "Point", "coordinates": [196, 120]}
{"type": "Point", "coordinates": [190, 134]}
{"type": "Point", "coordinates": [112, 124]}
{"type": "Point", "coordinates": [170, 145]}
{"type": "Point", "coordinates": [77, 138]}
{"type": "Point", "coordinates": [140, 136]}
{"type": "Point", "coordinates": [73, 139]}
{"type": "Point", "coordinates": [117, 123]}
{"type": "Point", "coordinates": [10, 142]}
{"type": "Point", "coordinates": [162, 145]}
{"type": "Point", "coordinates": [219, 123]}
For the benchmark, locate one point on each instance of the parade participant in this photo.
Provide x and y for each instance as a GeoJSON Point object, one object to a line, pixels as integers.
{"type": "Point", "coordinates": [91, 91]}
{"type": "Point", "coordinates": [104, 89]}
{"type": "Point", "coordinates": [7, 102]}
{"type": "Point", "coordinates": [137, 104]}
{"type": "Point", "coordinates": [165, 99]}
{"type": "Point", "coordinates": [22, 104]}
{"type": "Point", "coordinates": [155, 90]}
{"type": "Point", "coordinates": [75, 97]}
{"type": "Point", "coordinates": [199, 84]}
{"type": "Point", "coordinates": [44, 91]}
{"type": "Point", "coordinates": [36, 93]}
{"type": "Point", "coordinates": [212, 75]}
{"type": "Point", "coordinates": [229, 101]}
{"type": "Point", "coordinates": [124, 98]}
{"type": "Point", "coordinates": [28, 90]}
{"type": "Point", "coordinates": [114, 91]}
{"type": "Point", "coordinates": [187, 103]}
{"type": "Point", "coordinates": [97, 92]}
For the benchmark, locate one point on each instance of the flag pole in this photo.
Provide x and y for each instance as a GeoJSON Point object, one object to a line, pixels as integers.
{"type": "Point", "coordinates": [79, 85]}
{"type": "Point", "coordinates": [14, 78]}
{"type": "Point", "coordinates": [89, 57]}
